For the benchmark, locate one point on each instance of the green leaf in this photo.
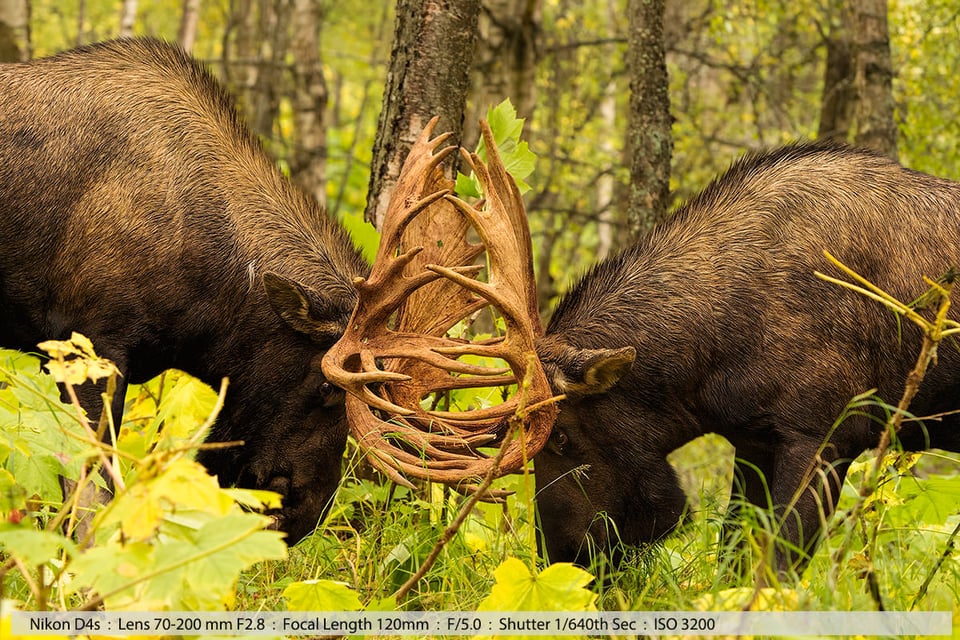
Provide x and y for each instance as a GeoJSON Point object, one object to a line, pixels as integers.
{"type": "Point", "coordinates": [185, 484]}
{"type": "Point", "coordinates": [517, 158]}
{"type": "Point", "coordinates": [559, 587]}
{"type": "Point", "coordinates": [185, 405]}
{"type": "Point", "coordinates": [32, 547]}
{"type": "Point", "coordinates": [928, 501]}
{"type": "Point", "coordinates": [321, 595]}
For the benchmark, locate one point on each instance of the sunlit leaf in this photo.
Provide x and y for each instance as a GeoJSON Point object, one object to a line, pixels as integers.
{"type": "Point", "coordinates": [30, 546]}
{"type": "Point", "coordinates": [559, 587]}
{"type": "Point", "coordinates": [321, 595]}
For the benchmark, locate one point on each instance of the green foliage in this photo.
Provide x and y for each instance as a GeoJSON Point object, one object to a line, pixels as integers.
{"type": "Point", "coordinates": [170, 539]}
{"type": "Point", "coordinates": [321, 595]}
{"type": "Point", "coordinates": [515, 153]}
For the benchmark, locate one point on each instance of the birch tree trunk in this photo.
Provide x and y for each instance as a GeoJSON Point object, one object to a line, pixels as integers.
{"type": "Point", "coordinates": [128, 17]}
{"type": "Point", "coordinates": [308, 162]}
{"type": "Point", "coordinates": [429, 75]}
{"type": "Point", "coordinates": [189, 17]}
{"type": "Point", "coordinates": [15, 31]}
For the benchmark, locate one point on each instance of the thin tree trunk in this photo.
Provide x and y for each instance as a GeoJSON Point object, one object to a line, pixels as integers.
{"type": "Point", "coordinates": [876, 126]}
{"type": "Point", "coordinates": [15, 31]}
{"type": "Point", "coordinates": [128, 17]}
{"type": "Point", "coordinates": [81, 21]}
{"type": "Point", "coordinates": [606, 184]}
{"type": "Point", "coordinates": [429, 75]}
{"type": "Point", "coordinates": [649, 139]}
{"type": "Point", "coordinates": [188, 24]}
{"type": "Point", "coordinates": [308, 162]}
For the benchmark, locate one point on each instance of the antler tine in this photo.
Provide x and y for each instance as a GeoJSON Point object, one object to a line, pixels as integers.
{"type": "Point", "coordinates": [424, 281]}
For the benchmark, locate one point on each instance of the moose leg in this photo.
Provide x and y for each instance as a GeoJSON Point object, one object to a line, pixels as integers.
{"type": "Point", "coordinates": [805, 491]}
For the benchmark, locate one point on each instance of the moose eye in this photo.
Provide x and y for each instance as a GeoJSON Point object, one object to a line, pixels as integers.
{"type": "Point", "coordinates": [326, 395]}
{"type": "Point", "coordinates": [559, 440]}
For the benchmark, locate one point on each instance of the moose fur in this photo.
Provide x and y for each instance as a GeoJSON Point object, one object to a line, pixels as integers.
{"type": "Point", "coordinates": [136, 208]}
{"type": "Point", "coordinates": [717, 323]}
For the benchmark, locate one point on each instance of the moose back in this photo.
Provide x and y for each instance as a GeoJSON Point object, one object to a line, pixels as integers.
{"type": "Point", "coordinates": [717, 323]}
{"type": "Point", "coordinates": [137, 209]}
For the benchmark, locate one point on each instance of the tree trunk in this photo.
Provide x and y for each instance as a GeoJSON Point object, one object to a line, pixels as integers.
{"type": "Point", "coordinates": [15, 31]}
{"type": "Point", "coordinates": [876, 126]}
{"type": "Point", "coordinates": [839, 98]}
{"type": "Point", "coordinates": [607, 237]}
{"type": "Point", "coordinates": [269, 62]}
{"type": "Point", "coordinates": [128, 17]}
{"type": "Point", "coordinates": [505, 62]}
{"type": "Point", "coordinates": [189, 17]}
{"type": "Point", "coordinates": [649, 139]}
{"type": "Point", "coordinates": [81, 22]}
{"type": "Point", "coordinates": [308, 161]}
{"type": "Point", "coordinates": [429, 75]}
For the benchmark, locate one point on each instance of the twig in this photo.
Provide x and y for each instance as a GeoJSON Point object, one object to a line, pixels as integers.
{"type": "Point", "coordinates": [516, 427]}
{"type": "Point", "coordinates": [454, 526]}
{"type": "Point", "coordinates": [933, 333]}
{"type": "Point", "coordinates": [947, 552]}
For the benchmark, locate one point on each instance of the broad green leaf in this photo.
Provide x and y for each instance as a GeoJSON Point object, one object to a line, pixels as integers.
{"type": "Point", "coordinates": [185, 484]}
{"type": "Point", "coordinates": [559, 587]}
{"type": "Point", "coordinates": [928, 500]}
{"type": "Point", "coordinates": [30, 546]}
{"type": "Point", "coordinates": [517, 158]}
{"type": "Point", "coordinates": [321, 595]}
{"type": "Point", "coordinates": [185, 405]}
{"type": "Point", "coordinates": [121, 573]}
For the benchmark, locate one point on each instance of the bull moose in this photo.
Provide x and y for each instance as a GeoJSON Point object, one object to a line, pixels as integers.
{"type": "Point", "coordinates": [136, 208]}
{"type": "Point", "coordinates": [717, 323]}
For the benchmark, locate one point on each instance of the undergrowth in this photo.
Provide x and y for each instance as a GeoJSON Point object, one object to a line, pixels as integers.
{"type": "Point", "coordinates": [172, 539]}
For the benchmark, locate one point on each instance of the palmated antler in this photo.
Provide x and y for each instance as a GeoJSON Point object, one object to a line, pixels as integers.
{"type": "Point", "coordinates": [396, 352]}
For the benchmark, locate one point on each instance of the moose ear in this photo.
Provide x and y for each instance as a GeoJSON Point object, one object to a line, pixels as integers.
{"type": "Point", "coordinates": [592, 371]}
{"type": "Point", "coordinates": [302, 307]}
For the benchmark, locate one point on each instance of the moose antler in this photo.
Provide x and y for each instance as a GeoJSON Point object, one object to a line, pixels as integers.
{"type": "Point", "coordinates": [396, 352]}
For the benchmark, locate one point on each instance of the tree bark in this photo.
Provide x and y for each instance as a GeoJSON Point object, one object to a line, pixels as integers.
{"type": "Point", "coordinates": [505, 62]}
{"type": "Point", "coordinates": [429, 75]}
{"type": "Point", "coordinates": [839, 98]}
{"type": "Point", "coordinates": [189, 17]}
{"type": "Point", "coordinates": [873, 80]}
{"type": "Point", "coordinates": [308, 161]}
{"type": "Point", "coordinates": [649, 138]}
{"type": "Point", "coordinates": [15, 31]}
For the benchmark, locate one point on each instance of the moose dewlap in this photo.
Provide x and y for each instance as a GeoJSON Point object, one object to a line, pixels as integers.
{"type": "Point", "coordinates": [137, 209]}
{"type": "Point", "coordinates": [717, 323]}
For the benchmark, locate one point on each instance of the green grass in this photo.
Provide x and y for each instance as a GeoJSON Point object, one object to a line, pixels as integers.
{"type": "Point", "coordinates": [894, 554]}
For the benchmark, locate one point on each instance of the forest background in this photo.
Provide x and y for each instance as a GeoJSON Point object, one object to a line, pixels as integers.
{"type": "Point", "coordinates": [743, 75]}
{"type": "Point", "coordinates": [630, 112]}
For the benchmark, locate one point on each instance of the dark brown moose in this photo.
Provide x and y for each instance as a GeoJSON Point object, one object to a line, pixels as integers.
{"type": "Point", "coordinates": [717, 323]}
{"type": "Point", "coordinates": [137, 209]}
